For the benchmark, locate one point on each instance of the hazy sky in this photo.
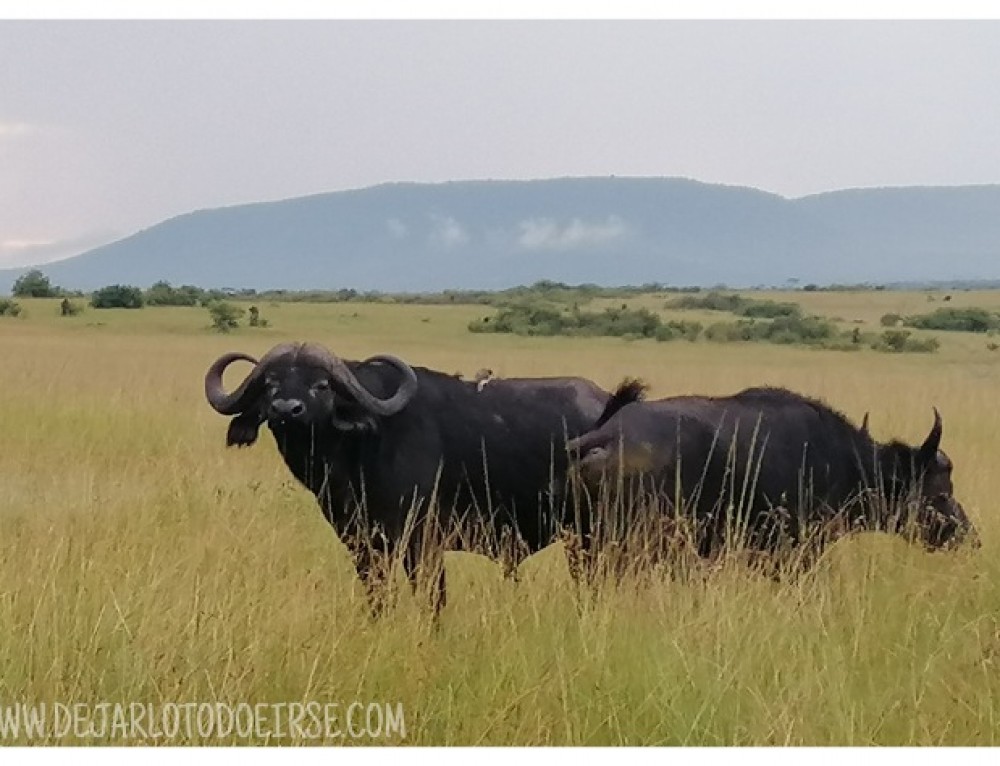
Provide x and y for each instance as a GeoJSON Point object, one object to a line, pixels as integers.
{"type": "Point", "coordinates": [109, 127]}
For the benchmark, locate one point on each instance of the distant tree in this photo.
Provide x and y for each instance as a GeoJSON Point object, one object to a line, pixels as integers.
{"type": "Point", "coordinates": [117, 297]}
{"type": "Point", "coordinates": [34, 284]}
{"type": "Point", "coordinates": [225, 316]}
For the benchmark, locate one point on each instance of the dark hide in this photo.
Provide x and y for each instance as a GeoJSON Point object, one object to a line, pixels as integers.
{"type": "Point", "coordinates": [457, 467]}
{"type": "Point", "coordinates": [766, 467]}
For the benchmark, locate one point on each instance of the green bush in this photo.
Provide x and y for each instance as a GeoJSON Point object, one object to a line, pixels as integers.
{"type": "Point", "coordinates": [68, 308]}
{"type": "Point", "coordinates": [956, 320]}
{"type": "Point", "coordinates": [117, 297]}
{"type": "Point", "coordinates": [534, 319]}
{"type": "Point", "coordinates": [9, 307]}
{"type": "Point", "coordinates": [901, 341]}
{"type": "Point", "coordinates": [890, 320]}
{"type": "Point", "coordinates": [678, 330]}
{"type": "Point", "coordinates": [164, 294]}
{"type": "Point", "coordinates": [770, 309]}
{"type": "Point", "coordinates": [783, 330]}
{"type": "Point", "coordinates": [713, 301]}
{"type": "Point", "coordinates": [225, 316]}
{"type": "Point", "coordinates": [256, 320]}
{"type": "Point", "coordinates": [752, 308]}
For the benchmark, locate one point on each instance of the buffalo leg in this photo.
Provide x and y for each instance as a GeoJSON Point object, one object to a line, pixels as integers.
{"type": "Point", "coordinates": [373, 563]}
{"type": "Point", "coordinates": [424, 565]}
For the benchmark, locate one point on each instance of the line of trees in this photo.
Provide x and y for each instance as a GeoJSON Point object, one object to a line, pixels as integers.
{"type": "Point", "coordinates": [784, 328]}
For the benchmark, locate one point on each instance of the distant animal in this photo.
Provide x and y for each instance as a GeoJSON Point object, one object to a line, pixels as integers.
{"type": "Point", "coordinates": [766, 467]}
{"type": "Point", "coordinates": [402, 458]}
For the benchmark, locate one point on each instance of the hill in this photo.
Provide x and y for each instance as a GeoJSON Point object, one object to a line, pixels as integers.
{"type": "Point", "coordinates": [493, 234]}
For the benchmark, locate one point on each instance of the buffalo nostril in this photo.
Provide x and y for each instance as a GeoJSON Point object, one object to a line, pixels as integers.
{"type": "Point", "coordinates": [287, 408]}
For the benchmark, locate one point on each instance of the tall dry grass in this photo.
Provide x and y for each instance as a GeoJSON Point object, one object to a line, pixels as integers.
{"type": "Point", "coordinates": [142, 561]}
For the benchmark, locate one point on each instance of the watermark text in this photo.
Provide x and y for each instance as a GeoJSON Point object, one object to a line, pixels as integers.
{"type": "Point", "coordinates": [201, 721]}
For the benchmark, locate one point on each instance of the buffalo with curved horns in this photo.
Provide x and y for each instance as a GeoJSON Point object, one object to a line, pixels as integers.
{"type": "Point", "coordinates": [784, 464]}
{"type": "Point", "coordinates": [399, 457]}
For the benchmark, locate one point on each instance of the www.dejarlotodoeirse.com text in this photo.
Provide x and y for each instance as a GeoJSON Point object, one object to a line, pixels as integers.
{"type": "Point", "coordinates": [181, 721]}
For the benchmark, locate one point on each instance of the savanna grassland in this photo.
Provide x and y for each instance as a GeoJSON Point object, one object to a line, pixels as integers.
{"type": "Point", "coordinates": [142, 561]}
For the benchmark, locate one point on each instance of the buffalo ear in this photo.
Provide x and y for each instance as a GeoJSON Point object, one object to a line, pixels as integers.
{"type": "Point", "coordinates": [243, 429]}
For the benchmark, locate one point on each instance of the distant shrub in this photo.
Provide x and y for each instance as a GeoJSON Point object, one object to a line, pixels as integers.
{"type": "Point", "coordinates": [759, 309]}
{"type": "Point", "coordinates": [164, 294]}
{"type": "Point", "coordinates": [537, 319]}
{"type": "Point", "coordinates": [713, 301]}
{"type": "Point", "coordinates": [901, 341]}
{"type": "Point", "coordinates": [117, 297]}
{"type": "Point", "coordinates": [9, 308]}
{"type": "Point", "coordinates": [729, 332]}
{"type": "Point", "coordinates": [890, 320]}
{"type": "Point", "coordinates": [752, 308]}
{"type": "Point", "coordinates": [678, 330]}
{"type": "Point", "coordinates": [68, 308]}
{"type": "Point", "coordinates": [256, 320]}
{"type": "Point", "coordinates": [956, 320]}
{"type": "Point", "coordinates": [225, 316]}
{"type": "Point", "coordinates": [783, 330]}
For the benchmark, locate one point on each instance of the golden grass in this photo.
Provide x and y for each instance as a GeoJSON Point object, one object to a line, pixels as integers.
{"type": "Point", "coordinates": [142, 561]}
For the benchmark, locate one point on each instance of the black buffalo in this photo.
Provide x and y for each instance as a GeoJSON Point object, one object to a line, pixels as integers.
{"type": "Point", "coordinates": [401, 457]}
{"type": "Point", "coordinates": [766, 467]}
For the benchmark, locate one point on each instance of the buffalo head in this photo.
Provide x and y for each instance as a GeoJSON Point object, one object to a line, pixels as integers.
{"type": "Point", "coordinates": [302, 385]}
{"type": "Point", "coordinates": [921, 477]}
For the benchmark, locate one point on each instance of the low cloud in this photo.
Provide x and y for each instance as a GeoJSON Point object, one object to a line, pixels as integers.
{"type": "Point", "coordinates": [448, 232]}
{"type": "Point", "coordinates": [397, 229]}
{"type": "Point", "coordinates": [547, 234]}
{"type": "Point", "coordinates": [33, 252]}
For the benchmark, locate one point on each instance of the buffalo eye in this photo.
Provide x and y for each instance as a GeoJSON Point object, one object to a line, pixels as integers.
{"type": "Point", "coordinates": [323, 385]}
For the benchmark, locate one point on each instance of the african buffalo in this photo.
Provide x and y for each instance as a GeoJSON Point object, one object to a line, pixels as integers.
{"type": "Point", "coordinates": [399, 457]}
{"type": "Point", "coordinates": [765, 468]}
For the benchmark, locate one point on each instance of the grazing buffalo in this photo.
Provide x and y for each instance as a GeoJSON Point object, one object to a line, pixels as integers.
{"type": "Point", "coordinates": [766, 468]}
{"type": "Point", "coordinates": [401, 457]}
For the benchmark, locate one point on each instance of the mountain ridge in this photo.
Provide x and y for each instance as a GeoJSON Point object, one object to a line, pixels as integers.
{"type": "Point", "coordinates": [412, 236]}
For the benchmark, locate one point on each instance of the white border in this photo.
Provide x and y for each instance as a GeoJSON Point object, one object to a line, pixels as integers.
{"type": "Point", "coordinates": [498, 9]}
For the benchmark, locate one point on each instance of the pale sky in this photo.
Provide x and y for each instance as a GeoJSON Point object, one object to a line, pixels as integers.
{"type": "Point", "coordinates": [110, 127]}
